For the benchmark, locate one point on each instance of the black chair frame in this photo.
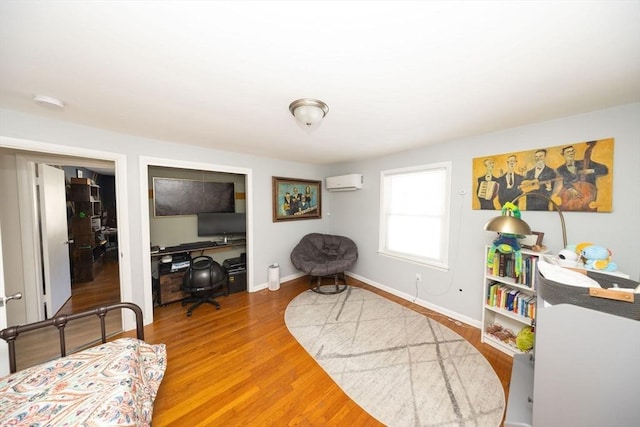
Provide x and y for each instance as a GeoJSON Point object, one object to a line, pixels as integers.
{"type": "Point", "coordinates": [203, 294]}
{"type": "Point", "coordinates": [339, 281]}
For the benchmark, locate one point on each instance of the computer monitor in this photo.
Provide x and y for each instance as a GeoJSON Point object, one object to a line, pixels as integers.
{"type": "Point", "coordinates": [221, 224]}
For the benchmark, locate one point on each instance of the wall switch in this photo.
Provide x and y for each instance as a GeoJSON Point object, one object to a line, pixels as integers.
{"type": "Point", "coordinates": [418, 277]}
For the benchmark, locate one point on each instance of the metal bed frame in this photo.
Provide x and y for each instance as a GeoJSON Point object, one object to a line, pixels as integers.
{"type": "Point", "coordinates": [11, 333]}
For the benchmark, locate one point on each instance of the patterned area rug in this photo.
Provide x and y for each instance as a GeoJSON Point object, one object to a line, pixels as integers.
{"type": "Point", "coordinates": [400, 366]}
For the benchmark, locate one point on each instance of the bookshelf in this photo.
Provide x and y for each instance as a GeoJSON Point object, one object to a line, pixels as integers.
{"type": "Point", "coordinates": [88, 248]}
{"type": "Point", "coordinates": [509, 299]}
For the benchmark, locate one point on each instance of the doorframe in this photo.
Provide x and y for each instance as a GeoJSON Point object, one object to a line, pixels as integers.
{"type": "Point", "coordinates": [4, 347]}
{"type": "Point", "coordinates": [145, 163]}
{"type": "Point", "coordinates": [37, 151]}
{"type": "Point", "coordinates": [32, 271]}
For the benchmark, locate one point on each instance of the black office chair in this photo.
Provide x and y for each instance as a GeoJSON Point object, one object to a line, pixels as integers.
{"type": "Point", "coordinates": [204, 280]}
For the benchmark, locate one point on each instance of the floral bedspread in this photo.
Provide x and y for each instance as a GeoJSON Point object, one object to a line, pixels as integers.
{"type": "Point", "coordinates": [112, 384]}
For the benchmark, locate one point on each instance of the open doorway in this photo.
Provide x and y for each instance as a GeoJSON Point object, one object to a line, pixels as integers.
{"type": "Point", "coordinates": [23, 266]}
{"type": "Point", "coordinates": [93, 235]}
{"type": "Point", "coordinates": [195, 213]}
{"type": "Point", "coordinates": [150, 163]}
{"type": "Point", "coordinates": [76, 276]}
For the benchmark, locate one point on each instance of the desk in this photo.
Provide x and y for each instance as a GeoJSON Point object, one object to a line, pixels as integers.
{"type": "Point", "coordinates": [201, 247]}
{"type": "Point", "coordinates": [169, 283]}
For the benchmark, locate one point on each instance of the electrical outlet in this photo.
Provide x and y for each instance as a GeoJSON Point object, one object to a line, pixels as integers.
{"type": "Point", "coordinates": [418, 277]}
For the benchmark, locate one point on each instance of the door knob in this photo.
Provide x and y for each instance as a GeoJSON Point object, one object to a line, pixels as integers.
{"type": "Point", "coordinates": [17, 295]}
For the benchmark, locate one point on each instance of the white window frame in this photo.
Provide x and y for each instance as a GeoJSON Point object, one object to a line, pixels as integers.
{"type": "Point", "coordinates": [441, 262]}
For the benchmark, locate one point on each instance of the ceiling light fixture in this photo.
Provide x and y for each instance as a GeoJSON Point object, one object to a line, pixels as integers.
{"type": "Point", "coordinates": [308, 112]}
{"type": "Point", "coordinates": [49, 102]}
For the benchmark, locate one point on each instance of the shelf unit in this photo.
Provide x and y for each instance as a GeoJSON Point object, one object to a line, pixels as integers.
{"type": "Point", "coordinates": [87, 199]}
{"type": "Point", "coordinates": [508, 301]}
{"type": "Point", "coordinates": [88, 248]}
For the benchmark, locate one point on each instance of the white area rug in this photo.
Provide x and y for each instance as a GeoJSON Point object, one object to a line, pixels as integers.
{"type": "Point", "coordinates": [400, 366]}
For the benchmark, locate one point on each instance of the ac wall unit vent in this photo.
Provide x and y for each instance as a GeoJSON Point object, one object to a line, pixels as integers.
{"type": "Point", "coordinates": [349, 182]}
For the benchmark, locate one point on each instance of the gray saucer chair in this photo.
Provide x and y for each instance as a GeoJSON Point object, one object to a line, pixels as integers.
{"type": "Point", "coordinates": [325, 256]}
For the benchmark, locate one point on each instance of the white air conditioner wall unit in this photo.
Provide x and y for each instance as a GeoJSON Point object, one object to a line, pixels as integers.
{"type": "Point", "coordinates": [349, 182]}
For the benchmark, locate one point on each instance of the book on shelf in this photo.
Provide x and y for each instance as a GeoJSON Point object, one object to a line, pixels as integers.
{"type": "Point", "coordinates": [504, 266]}
{"type": "Point", "coordinates": [512, 300]}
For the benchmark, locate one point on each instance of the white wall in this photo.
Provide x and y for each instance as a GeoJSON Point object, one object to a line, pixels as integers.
{"type": "Point", "coordinates": [11, 247]}
{"type": "Point", "coordinates": [273, 242]}
{"type": "Point", "coordinates": [460, 290]}
{"type": "Point", "coordinates": [355, 214]}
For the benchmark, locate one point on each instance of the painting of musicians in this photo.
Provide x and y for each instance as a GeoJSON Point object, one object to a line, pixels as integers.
{"type": "Point", "coordinates": [577, 177]}
{"type": "Point", "coordinates": [295, 198]}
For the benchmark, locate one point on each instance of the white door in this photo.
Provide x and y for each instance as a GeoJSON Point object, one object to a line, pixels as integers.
{"type": "Point", "coordinates": [55, 245]}
{"type": "Point", "coordinates": [4, 353]}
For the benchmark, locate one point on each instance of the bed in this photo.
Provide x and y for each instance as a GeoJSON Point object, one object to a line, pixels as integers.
{"type": "Point", "coordinates": [113, 383]}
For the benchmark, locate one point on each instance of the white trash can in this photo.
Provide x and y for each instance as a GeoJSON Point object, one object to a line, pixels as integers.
{"type": "Point", "coordinates": [274, 277]}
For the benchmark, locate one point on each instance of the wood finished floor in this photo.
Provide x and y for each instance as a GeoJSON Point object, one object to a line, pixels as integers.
{"type": "Point", "coordinates": [43, 344]}
{"type": "Point", "coordinates": [239, 366]}
{"type": "Point", "coordinates": [105, 289]}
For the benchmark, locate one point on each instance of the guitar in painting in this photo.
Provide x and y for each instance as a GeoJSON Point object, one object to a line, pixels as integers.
{"type": "Point", "coordinates": [533, 184]}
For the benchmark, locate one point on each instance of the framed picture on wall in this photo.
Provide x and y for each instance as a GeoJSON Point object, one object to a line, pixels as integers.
{"type": "Point", "coordinates": [534, 239]}
{"type": "Point", "coordinates": [579, 175]}
{"type": "Point", "coordinates": [295, 198]}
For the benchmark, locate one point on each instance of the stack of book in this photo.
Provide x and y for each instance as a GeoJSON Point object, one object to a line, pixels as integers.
{"type": "Point", "coordinates": [504, 266]}
{"type": "Point", "coordinates": [510, 299]}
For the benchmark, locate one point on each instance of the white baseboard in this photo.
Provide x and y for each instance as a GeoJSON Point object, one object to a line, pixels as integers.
{"type": "Point", "coordinates": [265, 285]}
{"type": "Point", "coordinates": [438, 309]}
{"type": "Point", "coordinates": [426, 304]}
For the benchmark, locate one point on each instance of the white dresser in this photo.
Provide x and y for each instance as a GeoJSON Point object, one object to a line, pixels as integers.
{"type": "Point", "coordinates": [586, 371]}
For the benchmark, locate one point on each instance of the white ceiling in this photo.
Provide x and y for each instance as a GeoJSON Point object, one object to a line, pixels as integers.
{"type": "Point", "coordinates": [396, 75]}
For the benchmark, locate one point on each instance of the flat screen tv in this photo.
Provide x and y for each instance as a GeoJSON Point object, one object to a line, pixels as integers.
{"type": "Point", "coordinates": [220, 224]}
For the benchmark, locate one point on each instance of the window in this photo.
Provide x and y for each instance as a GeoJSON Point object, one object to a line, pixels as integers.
{"type": "Point", "coordinates": [414, 213]}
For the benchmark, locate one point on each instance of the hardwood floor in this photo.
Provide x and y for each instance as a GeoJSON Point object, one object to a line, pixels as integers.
{"type": "Point", "coordinates": [41, 345]}
{"type": "Point", "coordinates": [239, 365]}
{"type": "Point", "coordinates": [105, 289]}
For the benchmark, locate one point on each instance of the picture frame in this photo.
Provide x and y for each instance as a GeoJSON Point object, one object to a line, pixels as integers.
{"type": "Point", "coordinates": [296, 199]}
{"type": "Point", "coordinates": [79, 173]}
{"type": "Point", "coordinates": [504, 177]}
{"type": "Point", "coordinates": [529, 241]}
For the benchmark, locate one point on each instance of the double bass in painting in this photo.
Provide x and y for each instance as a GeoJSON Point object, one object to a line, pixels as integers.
{"type": "Point", "coordinates": [579, 190]}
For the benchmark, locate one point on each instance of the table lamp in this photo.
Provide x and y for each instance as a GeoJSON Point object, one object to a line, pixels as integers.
{"type": "Point", "coordinates": [507, 223]}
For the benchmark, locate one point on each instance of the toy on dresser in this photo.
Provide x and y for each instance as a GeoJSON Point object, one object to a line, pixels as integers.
{"type": "Point", "coordinates": [596, 257]}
